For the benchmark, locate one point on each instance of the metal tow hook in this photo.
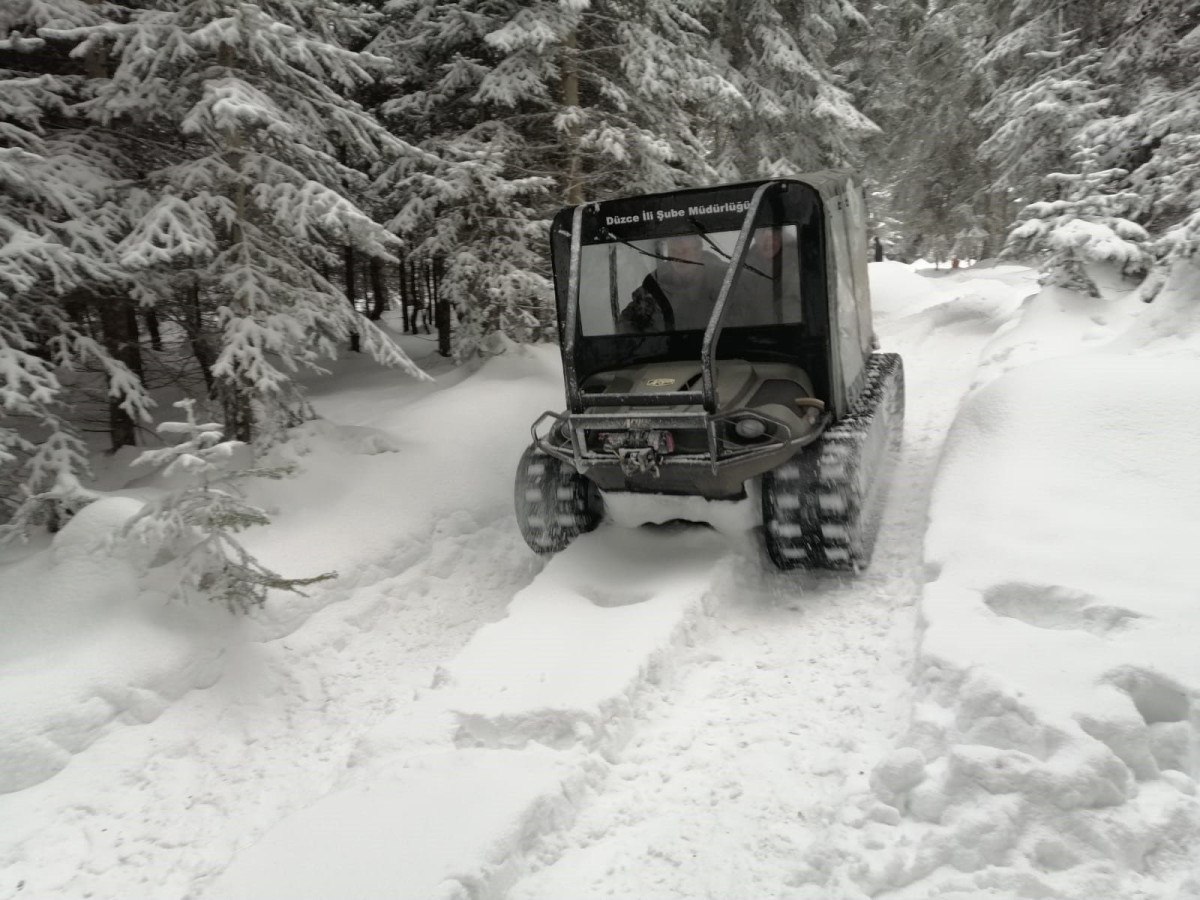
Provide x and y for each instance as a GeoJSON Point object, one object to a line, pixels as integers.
{"type": "Point", "coordinates": [639, 461]}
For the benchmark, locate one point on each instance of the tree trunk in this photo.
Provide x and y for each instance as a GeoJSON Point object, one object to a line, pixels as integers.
{"type": "Point", "coordinates": [404, 304]}
{"type": "Point", "coordinates": [154, 329]}
{"type": "Point", "coordinates": [118, 324]}
{"type": "Point", "coordinates": [733, 41]}
{"type": "Point", "coordinates": [570, 97]}
{"type": "Point", "coordinates": [441, 305]}
{"type": "Point", "coordinates": [378, 291]}
{"type": "Point", "coordinates": [418, 311]}
{"type": "Point", "coordinates": [239, 416]}
{"type": "Point", "coordinates": [235, 394]}
{"type": "Point", "coordinates": [352, 294]}
{"type": "Point", "coordinates": [201, 349]}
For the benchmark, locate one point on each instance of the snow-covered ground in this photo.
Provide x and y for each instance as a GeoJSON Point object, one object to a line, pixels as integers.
{"type": "Point", "coordinates": [1007, 704]}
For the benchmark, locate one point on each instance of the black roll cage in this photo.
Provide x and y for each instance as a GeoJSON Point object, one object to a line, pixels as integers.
{"type": "Point", "coordinates": [707, 396]}
{"type": "Point", "coordinates": [573, 424]}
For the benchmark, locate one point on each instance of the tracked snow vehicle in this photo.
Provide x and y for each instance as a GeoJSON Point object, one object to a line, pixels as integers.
{"type": "Point", "coordinates": [719, 342]}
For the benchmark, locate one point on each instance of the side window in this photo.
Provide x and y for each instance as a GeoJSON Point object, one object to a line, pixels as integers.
{"type": "Point", "coordinates": [857, 220]}
{"type": "Point", "coordinates": [849, 342]}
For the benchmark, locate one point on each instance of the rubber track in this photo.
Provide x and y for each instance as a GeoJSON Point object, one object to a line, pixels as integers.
{"type": "Point", "coordinates": [554, 504]}
{"type": "Point", "coordinates": [821, 509]}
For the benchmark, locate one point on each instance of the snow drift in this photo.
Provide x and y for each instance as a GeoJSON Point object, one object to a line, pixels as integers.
{"type": "Point", "coordinates": [1051, 751]}
{"type": "Point", "coordinates": [85, 649]}
{"type": "Point", "coordinates": [1054, 746]}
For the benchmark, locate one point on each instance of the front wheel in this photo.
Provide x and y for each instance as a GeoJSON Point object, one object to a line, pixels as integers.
{"type": "Point", "coordinates": [554, 503]}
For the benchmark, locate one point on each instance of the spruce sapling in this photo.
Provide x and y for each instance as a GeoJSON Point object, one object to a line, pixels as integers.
{"type": "Point", "coordinates": [197, 522]}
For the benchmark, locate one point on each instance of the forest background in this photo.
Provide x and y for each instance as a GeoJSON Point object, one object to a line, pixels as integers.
{"type": "Point", "coordinates": [201, 200]}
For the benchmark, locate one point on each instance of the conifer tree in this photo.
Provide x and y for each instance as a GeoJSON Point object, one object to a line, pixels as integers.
{"type": "Point", "coordinates": [1095, 110]}
{"type": "Point", "coordinates": [58, 224]}
{"type": "Point", "coordinates": [1153, 61]}
{"type": "Point", "coordinates": [523, 106]}
{"type": "Point", "coordinates": [1092, 224]}
{"type": "Point", "coordinates": [244, 131]}
{"type": "Point", "coordinates": [195, 525]}
{"type": "Point", "coordinates": [1033, 125]}
{"type": "Point", "coordinates": [798, 113]}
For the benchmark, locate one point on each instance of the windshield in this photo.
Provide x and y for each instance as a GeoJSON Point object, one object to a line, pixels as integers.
{"type": "Point", "coordinates": [671, 284]}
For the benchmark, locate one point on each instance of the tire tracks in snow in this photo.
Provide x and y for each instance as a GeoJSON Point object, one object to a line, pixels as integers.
{"type": "Point", "coordinates": [658, 715]}
{"type": "Point", "coordinates": [779, 714]}
{"type": "Point", "coordinates": [280, 729]}
{"type": "Point", "coordinates": [540, 699]}
{"type": "Point", "coordinates": [744, 727]}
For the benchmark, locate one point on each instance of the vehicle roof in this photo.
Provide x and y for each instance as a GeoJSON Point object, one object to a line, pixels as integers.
{"type": "Point", "coordinates": [827, 183]}
{"type": "Point", "coordinates": [709, 208]}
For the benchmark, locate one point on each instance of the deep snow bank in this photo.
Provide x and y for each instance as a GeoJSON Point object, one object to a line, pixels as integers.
{"type": "Point", "coordinates": [84, 648]}
{"type": "Point", "coordinates": [1055, 740]}
{"type": "Point", "coordinates": [372, 486]}
{"type": "Point", "coordinates": [536, 700]}
{"type": "Point", "coordinates": [1057, 709]}
{"type": "Point", "coordinates": [901, 296]}
{"type": "Point", "coordinates": [89, 641]}
{"type": "Point", "coordinates": [578, 645]}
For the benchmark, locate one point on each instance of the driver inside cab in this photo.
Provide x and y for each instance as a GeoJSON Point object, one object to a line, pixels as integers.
{"type": "Point", "coordinates": [680, 293]}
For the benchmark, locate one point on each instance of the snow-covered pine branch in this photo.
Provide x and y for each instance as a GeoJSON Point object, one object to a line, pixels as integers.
{"type": "Point", "coordinates": [1092, 224]}
{"type": "Point", "coordinates": [252, 189]}
{"type": "Point", "coordinates": [59, 220]}
{"type": "Point", "coordinates": [194, 526]}
{"type": "Point", "coordinates": [793, 111]}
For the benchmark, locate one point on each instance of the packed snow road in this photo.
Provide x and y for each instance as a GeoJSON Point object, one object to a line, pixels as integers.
{"type": "Point", "coordinates": [656, 713]}
{"type": "Point", "coordinates": [725, 709]}
{"type": "Point", "coordinates": [800, 683]}
{"type": "Point", "coordinates": [698, 716]}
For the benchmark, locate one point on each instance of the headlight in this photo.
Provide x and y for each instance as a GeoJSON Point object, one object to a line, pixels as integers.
{"type": "Point", "coordinates": [750, 428]}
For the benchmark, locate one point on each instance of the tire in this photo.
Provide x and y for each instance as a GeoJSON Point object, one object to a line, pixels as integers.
{"type": "Point", "coordinates": [791, 514]}
{"type": "Point", "coordinates": [822, 508]}
{"type": "Point", "coordinates": [554, 504]}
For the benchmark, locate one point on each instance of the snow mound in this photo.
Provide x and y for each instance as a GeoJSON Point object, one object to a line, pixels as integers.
{"type": "Point", "coordinates": [421, 463]}
{"type": "Point", "coordinates": [351, 440]}
{"type": "Point", "coordinates": [1054, 747]}
{"type": "Point", "coordinates": [83, 648]}
{"type": "Point", "coordinates": [1170, 326]}
{"type": "Point", "coordinates": [580, 643]}
{"type": "Point", "coordinates": [730, 517]}
{"type": "Point", "coordinates": [912, 306]}
{"type": "Point", "coordinates": [897, 290]}
{"type": "Point", "coordinates": [442, 826]}
{"type": "Point", "coordinates": [1055, 323]}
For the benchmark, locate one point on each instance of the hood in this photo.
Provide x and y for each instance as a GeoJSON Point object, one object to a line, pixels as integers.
{"type": "Point", "coordinates": [734, 379]}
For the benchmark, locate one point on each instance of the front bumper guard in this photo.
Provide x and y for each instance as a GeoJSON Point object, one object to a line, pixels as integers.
{"type": "Point", "coordinates": [722, 452]}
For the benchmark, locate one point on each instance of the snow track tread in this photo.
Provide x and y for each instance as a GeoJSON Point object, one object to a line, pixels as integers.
{"type": "Point", "coordinates": [554, 504]}
{"type": "Point", "coordinates": [821, 508]}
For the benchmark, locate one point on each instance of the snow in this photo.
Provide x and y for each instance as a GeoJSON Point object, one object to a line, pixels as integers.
{"type": "Point", "coordinates": [379, 839]}
{"type": "Point", "coordinates": [83, 650]}
{"type": "Point", "coordinates": [578, 643]}
{"type": "Point", "coordinates": [1056, 681]}
{"type": "Point", "coordinates": [1004, 705]}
